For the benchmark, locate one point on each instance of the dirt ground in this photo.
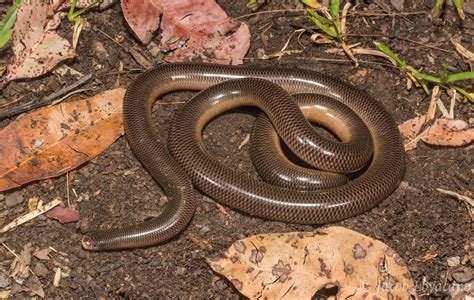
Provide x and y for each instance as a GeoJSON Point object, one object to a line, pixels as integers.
{"type": "Point", "coordinates": [424, 226]}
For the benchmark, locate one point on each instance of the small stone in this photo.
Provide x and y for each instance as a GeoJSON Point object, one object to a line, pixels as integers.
{"type": "Point", "coordinates": [398, 4]}
{"type": "Point", "coordinates": [453, 261]}
{"type": "Point", "coordinates": [14, 199]}
{"type": "Point", "coordinates": [464, 275]}
{"type": "Point", "coordinates": [40, 270]}
{"type": "Point", "coordinates": [163, 200]}
{"type": "Point", "coordinates": [100, 51]}
{"type": "Point", "coordinates": [4, 280]}
{"type": "Point", "coordinates": [153, 49]}
{"type": "Point", "coordinates": [2, 197]}
{"type": "Point", "coordinates": [204, 230]}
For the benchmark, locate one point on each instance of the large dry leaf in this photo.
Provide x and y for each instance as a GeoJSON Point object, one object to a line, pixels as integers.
{"type": "Point", "coordinates": [53, 140]}
{"type": "Point", "coordinates": [190, 29]}
{"type": "Point", "coordinates": [143, 17]}
{"type": "Point", "coordinates": [445, 132]}
{"type": "Point", "coordinates": [37, 48]}
{"type": "Point", "coordinates": [297, 265]}
{"type": "Point", "coordinates": [410, 128]}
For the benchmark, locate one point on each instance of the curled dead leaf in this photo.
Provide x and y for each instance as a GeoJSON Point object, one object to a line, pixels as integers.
{"type": "Point", "coordinates": [37, 48]}
{"type": "Point", "coordinates": [446, 132]}
{"type": "Point", "coordinates": [190, 29]}
{"type": "Point", "coordinates": [53, 140]}
{"type": "Point", "coordinates": [296, 265]}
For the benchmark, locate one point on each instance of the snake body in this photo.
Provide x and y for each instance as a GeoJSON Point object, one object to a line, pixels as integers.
{"type": "Point", "coordinates": [226, 87]}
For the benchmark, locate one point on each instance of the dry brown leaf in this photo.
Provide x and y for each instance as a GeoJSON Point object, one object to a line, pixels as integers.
{"type": "Point", "coordinates": [37, 48]}
{"type": "Point", "coordinates": [56, 139]}
{"type": "Point", "coordinates": [297, 265]}
{"type": "Point", "coordinates": [409, 130]}
{"type": "Point", "coordinates": [143, 17]}
{"type": "Point", "coordinates": [42, 254]}
{"type": "Point", "coordinates": [190, 29]}
{"type": "Point", "coordinates": [445, 132]}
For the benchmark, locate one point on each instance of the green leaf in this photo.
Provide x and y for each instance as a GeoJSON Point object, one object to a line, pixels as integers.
{"type": "Point", "coordinates": [424, 86]}
{"type": "Point", "coordinates": [389, 52]}
{"type": "Point", "coordinates": [459, 76]}
{"type": "Point", "coordinates": [324, 28]}
{"type": "Point", "coordinates": [72, 15]}
{"type": "Point", "coordinates": [317, 16]}
{"type": "Point", "coordinates": [252, 3]}
{"type": "Point", "coordinates": [458, 4]}
{"type": "Point", "coordinates": [436, 11]}
{"type": "Point", "coordinates": [334, 9]}
{"type": "Point", "coordinates": [430, 78]}
{"type": "Point", "coordinates": [5, 36]}
{"type": "Point", "coordinates": [463, 92]}
{"type": "Point", "coordinates": [7, 23]}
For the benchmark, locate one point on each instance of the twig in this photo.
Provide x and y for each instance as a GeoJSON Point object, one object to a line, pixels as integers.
{"type": "Point", "coordinates": [367, 14]}
{"type": "Point", "coordinates": [463, 198]}
{"type": "Point", "coordinates": [13, 102]}
{"type": "Point", "coordinates": [270, 12]}
{"type": "Point", "coordinates": [30, 106]}
{"type": "Point", "coordinates": [31, 215]}
{"type": "Point", "coordinates": [403, 39]}
{"type": "Point", "coordinates": [67, 190]}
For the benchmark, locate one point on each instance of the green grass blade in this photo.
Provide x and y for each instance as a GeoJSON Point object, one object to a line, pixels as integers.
{"type": "Point", "coordinates": [424, 86]}
{"type": "Point", "coordinates": [253, 2]}
{"type": "Point", "coordinates": [7, 23]}
{"type": "Point", "coordinates": [334, 9]}
{"type": "Point", "coordinates": [463, 92]}
{"type": "Point", "coordinates": [430, 78]}
{"type": "Point", "coordinates": [459, 8]}
{"type": "Point", "coordinates": [436, 11]}
{"type": "Point", "coordinates": [324, 28]}
{"type": "Point", "coordinates": [459, 76]}
{"type": "Point", "coordinates": [389, 52]}
{"type": "Point", "coordinates": [317, 16]}
{"type": "Point", "coordinates": [5, 36]}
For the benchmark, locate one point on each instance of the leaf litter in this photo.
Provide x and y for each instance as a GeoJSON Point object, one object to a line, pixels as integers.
{"type": "Point", "coordinates": [37, 48]}
{"type": "Point", "coordinates": [298, 264]}
{"type": "Point", "coordinates": [53, 140]}
{"type": "Point", "coordinates": [189, 29]}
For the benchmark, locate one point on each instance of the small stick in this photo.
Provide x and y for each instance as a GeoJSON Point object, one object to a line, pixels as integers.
{"type": "Point", "coordinates": [67, 190]}
{"type": "Point", "coordinates": [47, 100]}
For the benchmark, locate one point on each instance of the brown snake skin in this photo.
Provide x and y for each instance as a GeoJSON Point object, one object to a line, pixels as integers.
{"type": "Point", "coordinates": [279, 170]}
{"type": "Point", "coordinates": [231, 187]}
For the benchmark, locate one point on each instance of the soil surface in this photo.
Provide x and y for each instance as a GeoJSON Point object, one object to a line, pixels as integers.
{"type": "Point", "coordinates": [424, 226]}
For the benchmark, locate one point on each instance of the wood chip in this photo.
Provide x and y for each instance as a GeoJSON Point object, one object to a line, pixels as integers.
{"type": "Point", "coordinates": [31, 215]}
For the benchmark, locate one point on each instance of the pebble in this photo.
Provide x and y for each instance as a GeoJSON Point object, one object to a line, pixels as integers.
{"type": "Point", "coordinates": [464, 275]}
{"type": "Point", "coordinates": [14, 199]}
{"type": "Point", "coordinates": [40, 270]}
{"type": "Point", "coordinates": [453, 261]}
{"type": "Point", "coordinates": [204, 230]}
{"type": "Point", "coordinates": [4, 280]}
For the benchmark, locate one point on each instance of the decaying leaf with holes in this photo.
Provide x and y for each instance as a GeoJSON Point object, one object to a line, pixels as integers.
{"type": "Point", "coordinates": [443, 132]}
{"type": "Point", "coordinates": [37, 48]}
{"type": "Point", "coordinates": [143, 17]}
{"type": "Point", "coordinates": [53, 140]}
{"type": "Point", "coordinates": [299, 264]}
{"type": "Point", "coordinates": [190, 29]}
